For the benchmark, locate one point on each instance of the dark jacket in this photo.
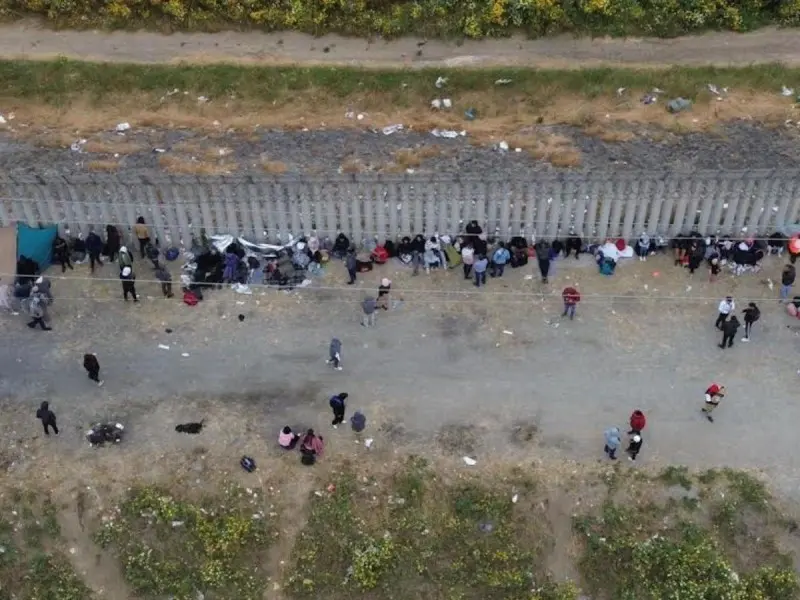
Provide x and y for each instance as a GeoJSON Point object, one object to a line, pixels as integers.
{"type": "Point", "coordinates": [731, 326]}
{"type": "Point", "coordinates": [751, 314]}
{"type": "Point", "coordinates": [358, 422]}
{"type": "Point", "coordinates": [788, 275]}
{"type": "Point", "coordinates": [60, 248]}
{"type": "Point", "coordinates": [112, 239]}
{"type": "Point", "coordinates": [351, 262]}
{"type": "Point", "coordinates": [163, 275]}
{"type": "Point", "coordinates": [94, 244]}
{"type": "Point", "coordinates": [90, 362]}
{"type": "Point", "coordinates": [337, 402]}
{"type": "Point", "coordinates": [45, 414]}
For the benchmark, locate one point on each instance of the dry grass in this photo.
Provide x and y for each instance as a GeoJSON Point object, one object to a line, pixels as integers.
{"type": "Point", "coordinates": [193, 166]}
{"type": "Point", "coordinates": [274, 167]}
{"type": "Point", "coordinates": [103, 165]}
{"type": "Point", "coordinates": [118, 145]}
{"type": "Point", "coordinates": [353, 165]}
{"type": "Point", "coordinates": [553, 148]}
{"type": "Point", "coordinates": [410, 158]}
{"type": "Point", "coordinates": [609, 134]}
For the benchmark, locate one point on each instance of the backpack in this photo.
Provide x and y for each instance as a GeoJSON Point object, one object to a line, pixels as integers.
{"type": "Point", "coordinates": [190, 299]}
{"type": "Point", "coordinates": [248, 464]}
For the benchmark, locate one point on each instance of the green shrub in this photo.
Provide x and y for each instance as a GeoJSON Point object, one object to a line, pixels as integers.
{"type": "Point", "coordinates": [436, 18]}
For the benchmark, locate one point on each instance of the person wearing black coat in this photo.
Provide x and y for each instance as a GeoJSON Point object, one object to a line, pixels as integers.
{"type": "Point", "coordinates": [751, 315]}
{"type": "Point", "coordinates": [61, 253]}
{"type": "Point", "coordinates": [729, 329]}
{"type": "Point", "coordinates": [92, 366]}
{"type": "Point", "coordinates": [94, 247]}
{"type": "Point", "coordinates": [113, 242]}
{"type": "Point", "coordinates": [47, 417]}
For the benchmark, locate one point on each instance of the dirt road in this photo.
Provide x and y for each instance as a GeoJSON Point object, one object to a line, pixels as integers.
{"type": "Point", "coordinates": [31, 41]}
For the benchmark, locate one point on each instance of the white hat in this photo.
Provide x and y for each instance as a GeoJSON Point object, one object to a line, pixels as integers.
{"type": "Point", "coordinates": [301, 246]}
{"type": "Point", "coordinates": [123, 249]}
{"type": "Point", "coordinates": [126, 271]}
{"type": "Point", "coordinates": [742, 246]}
{"type": "Point", "coordinates": [40, 280]}
{"type": "Point", "coordinates": [637, 438]}
{"type": "Point", "coordinates": [385, 282]}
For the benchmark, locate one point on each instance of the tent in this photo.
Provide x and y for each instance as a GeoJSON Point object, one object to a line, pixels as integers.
{"type": "Point", "coordinates": [36, 243]}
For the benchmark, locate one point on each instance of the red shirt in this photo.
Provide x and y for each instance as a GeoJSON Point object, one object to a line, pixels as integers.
{"type": "Point", "coordinates": [571, 295]}
{"type": "Point", "coordinates": [714, 390]}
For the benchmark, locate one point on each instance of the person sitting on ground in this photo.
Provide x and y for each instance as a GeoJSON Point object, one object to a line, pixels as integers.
{"type": "Point", "coordinates": [287, 439]}
{"type": "Point", "coordinates": [341, 246]}
{"type": "Point", "coordinates": [433, 254]}
{"type": "Point", "coordinates": [358, 421]}
{"type": "Point", "coordinates": [311, 447]}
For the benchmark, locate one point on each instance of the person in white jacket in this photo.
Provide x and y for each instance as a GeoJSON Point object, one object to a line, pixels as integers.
{"type": "Point", "coordinates": [433, 254]}
{"type": "Point", "coordinates": [726, 307]}
{"type": "Point", "coordinates": [467, 259]}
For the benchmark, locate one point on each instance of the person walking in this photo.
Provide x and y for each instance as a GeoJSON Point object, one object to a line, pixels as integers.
{"type": "Point", "coordinates": [729, 329]}
{"type": "Point", "coordinates": [467, 259]}
{"type": "Point", "coordinates": [337, 405]}
{"type": "Point", "coordinates": [61, 253]}
{"type": "Point", "coordinates": [751, 315]}
{"type": "Point", "coordinates": [351, 264]}
{"type": "Point", "coordinates": [335, 354]}
{"type": "Point", "coordinates": [142, 234]}
{"type": "Point", "coordinates": [370, 307]}
{"type": "Point", "coordinates": [480, 266]}
{"type": "Point", "coordinates": [166, 280]}
{"type": "Point", "coordinates": [714, 394]}
{"type": "Point", "coordinates": [634, 446]}
{"type": "Point", "coordinates": [571, 297]}
{"type": "Point", "coordinates": [726, 307]}
{"type": "Point", "coordinates": [384, 293]}
{"type": "Point", "coordinates": [613, 442]}
{"type": "Point", "coordinates": [94, 247]}
{"type": "Point", "coordinates": [787, 281]}
{"type": "Point", "coordinates": [38, 311]}
{"type": "Point", "coordinates": [637, 422]}
{"type": "Point", "coordinates": [92, 366]}
{"type": "Point", "coordinates": [128, 286]}
{"type": "Point", "coordinates": [47, 417]}
{"type": "Point", "coordinates": [500, 259]}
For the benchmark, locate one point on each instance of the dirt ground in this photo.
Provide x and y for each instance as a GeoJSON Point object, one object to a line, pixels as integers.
{"type": "Point", "coordinates": [451, 371]}
{"type": "Point", "coordinates": [31, 41]}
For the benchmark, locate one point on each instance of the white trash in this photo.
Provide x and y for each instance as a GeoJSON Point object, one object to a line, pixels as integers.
{"type": "Point", "coordinates": [2, 120]}
{"type": "Point", "coordinates": [163, 347]}
{"type": "Point", "coordinates": [368, 442]}
{"type": "Point", "coordinates": [122, 127]}
{"type": "Point", "coordinates": [503, 146]}
{"type": "Point", "coordinates": [390, 129]}
{"type": "Point", "coordinates": [440, 81]}
{"type": "Point", "coordinates": [785, 91]}
{"type": "Point", "coordinates": [447, 103]}
{"type": "Point", "coordinates": [447, 133]}
{"type": "Point", "coordinates": [436, 103]}
{"type": "Point", "coordinates": [470, 462]}
{"type": "Point", "coordinates": [502, 81]}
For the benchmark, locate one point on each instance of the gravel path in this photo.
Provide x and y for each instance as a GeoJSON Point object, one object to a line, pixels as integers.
{"type": "Point", "coordinates": [32, 41]}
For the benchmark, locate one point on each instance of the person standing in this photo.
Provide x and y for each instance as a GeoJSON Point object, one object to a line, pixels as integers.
{"type": "Point", "coordinates": [468, 259]}
{"type": "Point", "coordinates": [729, 329]}
{"type": "Point", "coordinates": [613, 442]}
{"type": "Point", "coordinates": [125, 258]}
{"type": "Point", "coordinates": [500, 259]}
{"type": "Point", "coordinates": [142, 234]}
{"type": "Point", "coordinates": [726, 307]}
{"type": "Point", "coordinates": [637, 422]}
{"type": "Point", "coordinates": [713, 270]}
{"type": "Point", "coordinates": [337, 405]}
{"type": "Point", "coordinates": [751, 315]}
{"type": "Point", "coordinates": [92, 366]}
{"type": "Point", "coordinates": [787, 281]}
{"type": "Point", "coordinates": [571, 297]}
{"type": "Point", "coordinates": [352, 266]}
{"type": "Point", "coordinates": [38, 310]}
{"type": "Point", "coordinates": [714, 394]}
{"type": "Point", "coordinates": [480, 266]}
{"type": "Point", "coordinates": [128, 286]}
{"type": "Point", "coordinates": [543, 258]}
{"type": "Point", "coordinates": [634, 446]}
{"type": "Point", "coordinates": [335, 354]}
{"type": "Point", "coordinates": [370, 307]}
{"type": "Point", "coordinates": [47, 417]}
{"type": "Point", "coordinates": [166, 280]}
{"type": "Point", "coordinates": [384, 290]}
{"type": "Point", "coordinates": [113, 243]}
{"type": "Point", "coordinates": [94, 247]}
{"type": "Point", "coordinates": [61, 253]}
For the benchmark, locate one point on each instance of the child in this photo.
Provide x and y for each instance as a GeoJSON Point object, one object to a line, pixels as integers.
{"type": "Point", "coordinates": [287, 439]}
{"type": "Point", "coordinates": [713, 395]}
{"type": "Point", "coordinates": [634, 447]}
{"type": "Point", "coordinates": [714, 270]}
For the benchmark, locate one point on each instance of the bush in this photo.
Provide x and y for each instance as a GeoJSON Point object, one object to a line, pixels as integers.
{"type": "Point", "coordinates": [435, 18]}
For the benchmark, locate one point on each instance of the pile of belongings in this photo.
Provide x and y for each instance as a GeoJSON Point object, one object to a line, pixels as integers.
{"type": "Point", "coordinates": [102, 433]}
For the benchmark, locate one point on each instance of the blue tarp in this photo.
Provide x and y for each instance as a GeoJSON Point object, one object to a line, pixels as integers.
{"type": "Point", "coordinates": [36, 243]}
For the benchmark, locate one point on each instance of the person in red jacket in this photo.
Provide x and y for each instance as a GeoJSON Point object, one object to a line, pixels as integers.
{"type": "Point", "coordinates": [637, 422]}
{"type": "Point", "coordinates": [571, 297]}
{"type": "Point", "coordinates": [713, 395]}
